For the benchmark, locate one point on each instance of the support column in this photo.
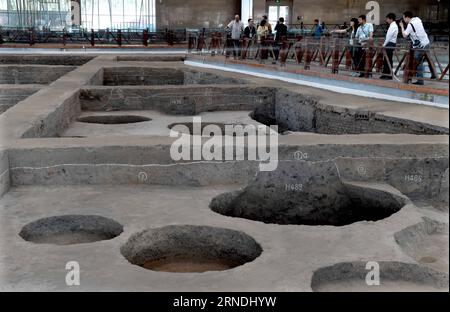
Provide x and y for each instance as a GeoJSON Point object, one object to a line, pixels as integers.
{"type": "Point", "coordinates": [75, 9]}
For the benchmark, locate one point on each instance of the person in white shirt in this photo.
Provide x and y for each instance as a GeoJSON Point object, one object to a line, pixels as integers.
{"type": "Point", "coordinates": [363, 35]}
{"type": "Point", "coordinates": [237, 28]}
{"type": "Point", "coordinates": [421, 42]}
{"type": "Point", "coordinates": [389, 45]}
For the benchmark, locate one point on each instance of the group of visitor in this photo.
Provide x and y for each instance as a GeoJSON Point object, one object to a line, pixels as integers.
{"type": "Point", "coordinates": [360, 34]}
{"type": "Point", "coordinates": [260, 32]}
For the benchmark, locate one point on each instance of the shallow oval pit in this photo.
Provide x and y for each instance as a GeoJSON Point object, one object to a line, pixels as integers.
{"type": "Point", "coordinates": [190, 249]}
{"type": "Point", "coordinates": [113, 119]}
{"type": "Point", "coordinates": [427, 243]}
{"type": "Point", "coordinates": [307, 194]}
{"type": "Point", "coordinates": [71, 229]}
{"type": "Point", "coordinates": [393, 277]}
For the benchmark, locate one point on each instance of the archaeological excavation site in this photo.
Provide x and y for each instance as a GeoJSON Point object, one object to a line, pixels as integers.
{"type": "Point", "coordinates": [154, 172]}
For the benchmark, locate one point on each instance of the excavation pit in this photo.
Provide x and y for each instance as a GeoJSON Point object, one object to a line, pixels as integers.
{"type": "Point", "coordinates": [175, 100]}
{"type": "Point", "coordinates": [190, 249]}
{"type": "Point", "coordinates": [55, 59]}
{"type": "Point", "coordinates": [13, 94]}
{"type": "Point", "coordinates": [113, 119]}
{"type": "Point", "coordinates": [308, 194]}
{"type": "Point", "coordinates": [32, 74]}
{"type": "Point", "coordinates": [71, 229]}
{"type": "Point", "coordinates": [393, 277]}
{"type": "Point", "coordinates": [299, 113]}
{"type": "Point", "coordinates": [427, 243]}
{"type": "Point", "coordinates": [148, 76]}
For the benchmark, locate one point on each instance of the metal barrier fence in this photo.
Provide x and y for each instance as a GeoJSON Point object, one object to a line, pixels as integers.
{"type": "Point", "coordinates": [130, 36]}
{"type": "Point", "coordinates": [330, 51]}
{"type": "Point", "coordinates": [92, 37]}
{"type": "Point", "coordinates": [333, 53]}
{"type": "Point", "coordinates": [437, 31]}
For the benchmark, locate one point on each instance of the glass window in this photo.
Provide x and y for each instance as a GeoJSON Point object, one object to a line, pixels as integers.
{"type": "Point", "coordinates": [96, 14]}
{"type": "Point", "coordinates": [118, 14]}
{"type": "Point", "coordinates": [275, 12]}
{"type": "Point", "coordinates": [246, 10]}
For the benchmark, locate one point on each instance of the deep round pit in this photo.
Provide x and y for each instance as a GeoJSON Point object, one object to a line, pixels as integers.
{"type": "Point", "coordinates": [113, 119]}
{"type": "Point", "coordinates": [307, 193]}
{"type": "Point", "coordinates": [190, 249]}
{"type": "Point", "coordinates": [71, 229]}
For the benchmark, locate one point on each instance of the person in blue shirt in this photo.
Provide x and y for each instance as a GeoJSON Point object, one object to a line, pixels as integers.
{"type": "Point", "coordinates": [317, 29]}
{"type": "Point", "coordinates": [363, 36]}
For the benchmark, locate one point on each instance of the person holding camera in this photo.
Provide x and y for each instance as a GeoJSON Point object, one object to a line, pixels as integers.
{"type": "Point", "coordinates": [421, 42]}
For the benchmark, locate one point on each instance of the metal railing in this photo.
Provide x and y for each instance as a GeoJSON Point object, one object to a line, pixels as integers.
{"type": "Point", "coordinates": [116, 37]}
{"type": "Point", "coordinates": [332, 53]}
{"type": "Point", "coordinates": [437, 31]}
{"type": "Point", "coordinates": [329, 52]}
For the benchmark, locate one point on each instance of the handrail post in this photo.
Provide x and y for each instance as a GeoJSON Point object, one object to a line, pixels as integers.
{"type": "Point", "coordinates": [380, 57]}
{"type": "Point", "coordinates": [31, 36]}
{"type": "Point", "coordinates": [368, 59]}
{"type": "Point", "coordinates": [307, 55]}
{"type": "Point", "coordinates": [145, 37]}
{"type": "Point", "coordinates": [92, 38]}
{"type": "Point", "coordinates": [119, 37]}
{"type": "Point", "coordinates": [64, 37]}
{"type": "Point", "coordinates": [284, 51]}
{"type": "Point", "coordinates": [409, 70]}
{"type": "Point", "coordinates": [335, 56]}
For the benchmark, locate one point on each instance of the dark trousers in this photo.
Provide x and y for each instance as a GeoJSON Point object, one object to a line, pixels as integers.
{"type": "Point", "coordinates": [236, 47]}
{"type": "Point", "coordinates": [352, 51]}
{"type": "Point", "coordinates": [390, 53]}
{"type": "Point", "coordinates": [263, 50]}
{"type": "Point", "coordinates": [418, 57]}
{"type": "Point", "coordinates": [276, 50]}
{"type": "Point", "coordinates": [360, 60]}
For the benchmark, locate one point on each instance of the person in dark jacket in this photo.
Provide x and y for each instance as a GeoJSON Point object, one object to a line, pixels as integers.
{"type": "Point", "coordinates": [281, 30]}
{"type": "Point", "coordinates": [281, 33]}
{"type": "Point", "coordinates": [250, 30]}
